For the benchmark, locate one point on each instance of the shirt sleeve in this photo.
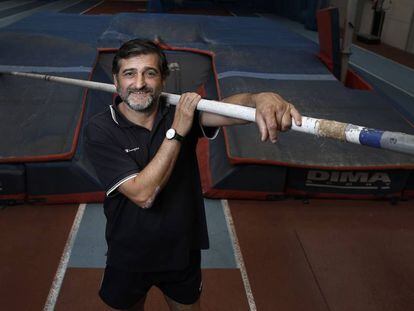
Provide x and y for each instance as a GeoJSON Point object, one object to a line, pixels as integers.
{"type": "Point", "coordinates": [112, 164]}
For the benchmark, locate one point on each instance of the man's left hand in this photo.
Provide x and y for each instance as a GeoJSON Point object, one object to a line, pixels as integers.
{"type": "Point", "coordinates": [274, 114]}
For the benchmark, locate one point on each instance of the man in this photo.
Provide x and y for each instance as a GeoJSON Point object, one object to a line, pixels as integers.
{"type": "Point", "coordinates": [144, 154]}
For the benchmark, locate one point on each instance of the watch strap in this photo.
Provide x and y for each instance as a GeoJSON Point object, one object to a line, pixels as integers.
{"type": "Point", "coordinates": [178, 137]}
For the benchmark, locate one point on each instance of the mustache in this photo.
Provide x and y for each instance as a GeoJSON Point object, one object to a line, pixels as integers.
{"type": "Point", "coordinates": [142, 89]}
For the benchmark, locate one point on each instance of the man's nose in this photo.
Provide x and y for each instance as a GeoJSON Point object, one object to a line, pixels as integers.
{"type": "Point", "coordinates": [139, 81]}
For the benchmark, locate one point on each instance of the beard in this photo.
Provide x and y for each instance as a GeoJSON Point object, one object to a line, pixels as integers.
{"type": "Point", "coordinates": [144, 104]}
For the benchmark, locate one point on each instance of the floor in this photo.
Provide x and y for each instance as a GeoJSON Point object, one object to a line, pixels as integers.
{"type": "Point", "coordinates": [390, 52]}
{"type": "Point", "coordinates": [286, 255]}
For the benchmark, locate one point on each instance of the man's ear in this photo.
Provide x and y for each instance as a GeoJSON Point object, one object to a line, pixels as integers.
{"type": "Point", "coordinates": [115, 80]}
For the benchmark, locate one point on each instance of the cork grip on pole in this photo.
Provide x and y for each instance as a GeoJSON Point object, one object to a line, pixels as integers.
{"type": "Point", "coordinates": [332, 129]}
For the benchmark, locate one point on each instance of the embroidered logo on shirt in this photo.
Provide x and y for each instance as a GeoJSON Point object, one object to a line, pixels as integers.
{"type": "Point", "coordinates": [130, 150]}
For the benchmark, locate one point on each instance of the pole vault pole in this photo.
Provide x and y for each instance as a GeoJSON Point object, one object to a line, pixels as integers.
{"type": "Point", "coordinates": [347, 132]}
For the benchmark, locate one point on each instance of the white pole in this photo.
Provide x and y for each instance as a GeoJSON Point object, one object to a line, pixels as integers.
{"type": "Point", "coordinates": [356, 134]}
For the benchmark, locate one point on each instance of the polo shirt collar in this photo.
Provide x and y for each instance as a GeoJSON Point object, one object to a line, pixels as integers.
{"type": "Point", "coordinates": [122, 121]}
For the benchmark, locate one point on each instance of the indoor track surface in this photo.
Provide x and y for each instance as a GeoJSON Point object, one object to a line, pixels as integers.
{"type": "Point", "coordinates": [285, 255]}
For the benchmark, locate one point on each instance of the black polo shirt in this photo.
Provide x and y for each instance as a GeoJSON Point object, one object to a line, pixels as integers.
{"type": "Point", "coordinates": [161, 237]}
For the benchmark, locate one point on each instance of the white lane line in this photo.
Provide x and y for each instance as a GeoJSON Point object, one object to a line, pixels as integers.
{"type": "Point", "coordinates": [238, 255]}
{"type": "Point", "coordinates": [63, 264]}
{"type": "Point", "coordinates": [92, 7]}
{"type": "Point", "coordinates": [383, 80]}
{"type": "Point", "coordinates": [5, 5]}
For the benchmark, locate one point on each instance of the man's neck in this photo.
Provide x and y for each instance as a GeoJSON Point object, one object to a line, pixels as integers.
{"type": "Point", "coordinates": [144, 119]}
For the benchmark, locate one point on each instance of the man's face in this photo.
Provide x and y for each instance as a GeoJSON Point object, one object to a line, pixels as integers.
{"type": "Point", "coordinates": [139, 82]}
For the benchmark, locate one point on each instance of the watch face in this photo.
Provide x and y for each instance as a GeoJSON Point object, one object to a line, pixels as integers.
{"type": "Point", "coordinates": [170, 134]}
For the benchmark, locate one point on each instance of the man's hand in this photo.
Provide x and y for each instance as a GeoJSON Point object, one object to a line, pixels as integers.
{"type": "Point", "coordinates": [184, 112]}
{"type": "Point", "coordinates": [274, 114]}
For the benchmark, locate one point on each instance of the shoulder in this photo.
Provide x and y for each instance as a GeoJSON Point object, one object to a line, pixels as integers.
{"type": "Point", "coordinates": [99, 124]}
{"type": "Point", "coordinates": [102, 118]}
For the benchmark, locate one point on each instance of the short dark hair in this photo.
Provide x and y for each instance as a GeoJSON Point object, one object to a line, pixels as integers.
{"type": "Point", "coordinates": [138, 47]}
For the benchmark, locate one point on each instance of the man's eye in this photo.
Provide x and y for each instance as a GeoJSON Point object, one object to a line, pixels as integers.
{"type": "Point", "coordinates": [128, 74]}
{"type": "Point", "coordinates": [152, 74]}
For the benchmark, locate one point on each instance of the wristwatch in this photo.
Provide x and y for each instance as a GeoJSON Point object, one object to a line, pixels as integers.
{"type": "Point", "coordinates": [172, 134]}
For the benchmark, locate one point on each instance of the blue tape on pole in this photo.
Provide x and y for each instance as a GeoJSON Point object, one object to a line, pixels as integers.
{"type": "Point", "coordinates": [371, 137]}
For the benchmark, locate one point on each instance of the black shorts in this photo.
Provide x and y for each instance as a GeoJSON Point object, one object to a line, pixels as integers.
{"type": "Point", "coordinates": [123, 289]}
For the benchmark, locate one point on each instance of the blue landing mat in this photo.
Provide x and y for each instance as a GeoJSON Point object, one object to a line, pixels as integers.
{"type": "Point", "coordinates": [81, 28]}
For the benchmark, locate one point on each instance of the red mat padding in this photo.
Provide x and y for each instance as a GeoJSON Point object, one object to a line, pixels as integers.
{"type": "Point", "coordinates": [329, 43]}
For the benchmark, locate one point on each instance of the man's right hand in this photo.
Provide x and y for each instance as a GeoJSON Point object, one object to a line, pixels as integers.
{"type": "Point", "coordinates": [184, 113]}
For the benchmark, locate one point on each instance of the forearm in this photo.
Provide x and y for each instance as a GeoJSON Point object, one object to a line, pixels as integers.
{"type": "Point", "coordinates": [144, 188]}
{"type": "Point", "coordinates": [243, 99]}
{"type": "Point", "coordinates": [273, 113]}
